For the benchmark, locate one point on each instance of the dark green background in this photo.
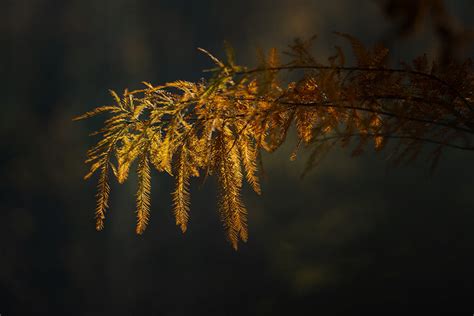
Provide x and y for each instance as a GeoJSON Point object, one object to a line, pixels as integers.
{"type": "Point", "coordinates": [351, 238]}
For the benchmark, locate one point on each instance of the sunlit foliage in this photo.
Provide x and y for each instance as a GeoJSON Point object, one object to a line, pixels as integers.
{"type": "Point", "coordinates": [219, 127]}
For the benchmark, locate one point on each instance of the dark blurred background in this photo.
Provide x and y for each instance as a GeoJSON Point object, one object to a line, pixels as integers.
{"type": "Point", "coordinates": [350, 238]}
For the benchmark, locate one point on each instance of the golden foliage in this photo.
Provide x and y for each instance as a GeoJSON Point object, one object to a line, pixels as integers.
{"type": "Point", "coordinates": [143, 193]}
{"type": "Point", "coordinates": [232, 211]}
{"type": "Point", "coordinates": [181, 197]}
{"type": "Point", "coordinates": [219, 127]}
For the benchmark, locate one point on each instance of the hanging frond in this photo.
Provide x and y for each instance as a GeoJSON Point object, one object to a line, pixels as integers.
{"type": "Point", "coordinates": [143, 193]}
{"type": "Point", "coordinates": [248, 152]}
{"type": "Point", "coordinates": [232, 211]}
{"type": "Point", "coordinates": [103, 192]}
{"type": "Point", "coordinates": [181, 198]}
